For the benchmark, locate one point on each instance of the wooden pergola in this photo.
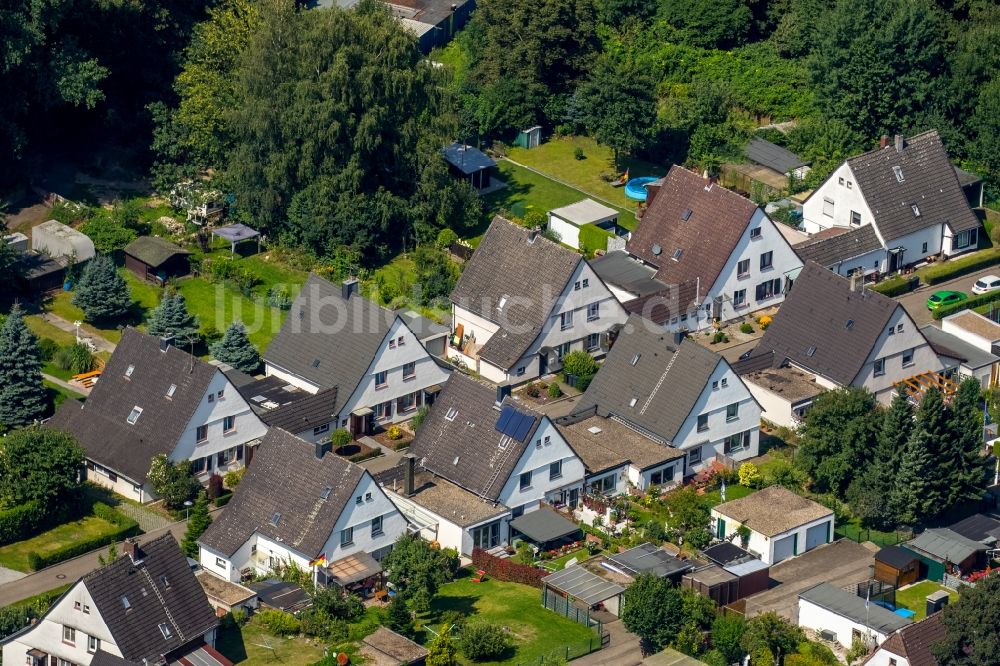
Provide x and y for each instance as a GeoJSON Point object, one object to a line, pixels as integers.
{"type": "Point", "coordinates": [916, 387]}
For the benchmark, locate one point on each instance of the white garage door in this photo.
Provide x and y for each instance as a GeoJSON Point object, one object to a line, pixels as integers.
{"type": "Point", "coordinates": [784, 548]}
{"type": "Point", "coordinates": [817, 535]}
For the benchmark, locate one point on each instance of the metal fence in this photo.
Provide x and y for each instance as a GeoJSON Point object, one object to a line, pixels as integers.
{"type": "Point", "coordinates": [563, 606]}
{"type": "Point", "coordinates": [565, 652]}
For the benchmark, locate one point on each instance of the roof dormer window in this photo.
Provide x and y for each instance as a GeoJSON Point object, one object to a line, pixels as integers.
{"type": "Point", "coordinates": [165, 630]}
{"type": "Point", "coordinates": [915, 209]}
{"type": "Point", "coordinates": [129, 370]}
{"type": "Point", "coordinates": [134, 415]}
{"type": "Point", "coordinates": [171, 390]}
{"type": "Point", "coordinates": [899, 173]}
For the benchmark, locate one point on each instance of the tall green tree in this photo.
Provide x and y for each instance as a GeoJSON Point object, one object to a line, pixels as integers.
{"type": "Point", "coordinates": [442, 650]}
{"type": "Point", "coordinates": [909, 496]}
{"type": "Point", "coordinates": [236, 349]}
{"type": "Point", "coordinates": [972, 633]}
{"type": "Point", "coordinates": [967, 445]}
{"type": "Point", "coordinates": [870, 493]}
{"type": "Point", "coordinates": [417, 570]}
{"type": "Point", "coordinates": [653, 610]}
{"type": "Point", "coordinates": [40, 465]}
{"type": "Point", "coordinates": [709, 23]}
{"type": "Point", "coordinates": [102, 292]}
{"type": "Point", "coordinates": [771, 633]}
{"type": "Point", "coordinates": [838, 436]}
{"type": "Point", "coordinates": [933, 425]}
{"type": "Point", "coordinates": [198, 521]}
{"type": "Point", "coordinates": [171, 319]}
{"type": "Point", "coordinates": [22, 395]}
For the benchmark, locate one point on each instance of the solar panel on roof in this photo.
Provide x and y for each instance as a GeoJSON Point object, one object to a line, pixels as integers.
{"type": "Point", "coordinates": [523, 427]}
{"type": "Point", "coordinates": [505, 416]}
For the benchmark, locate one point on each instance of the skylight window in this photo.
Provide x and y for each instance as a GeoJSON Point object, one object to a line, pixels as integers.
{"type": "Point", "coordinates": [134, 416]}
{"type": "Point", "coordinates": [451, 414]}
{"type": "Point", "coordinates": [129, 371]}
{"type": "Point", "coordinates": [899, 173]}
{"type": "Point", "coordinates": [677, 254]}
{"type": "Point", "coordinates": [165, 630]}
{"type": "Point", "coordinates": [849, 324]}
{"type": "Point", "coordinates": [455, 461]}
{"type": "Point", "coordinates": [503, 302]}
{"type": "Point", "coordinates": [916, 210]}
{"type": "Point", "coordinates": [504, 441]}
{"type": "Point", "coordinates": [686, 215]}
{"type": "Point", "coordinates": [635, 359]}
{"type": "Point", "coordinates": [316, 363]}
{"type": "Point", "coordinates": [631, 403]}
{"type": "Point", "coordinates": [164, 582]}
{"type": "Point", "coordinates": [326, 493]}
{"type": "Point", "coordinates": [125, 602]}
{"type": "Point", "coordinates": [171, 390]}
{"type": "Point", "coordinates": [275, 519]}
{"type": "Point", "coordinates": [810, 351]}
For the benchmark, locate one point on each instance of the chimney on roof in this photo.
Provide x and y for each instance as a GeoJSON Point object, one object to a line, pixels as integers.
{"type": "Point", "coordinates": [884, 141]}
{"type": "Point", "coordinates": [131, 548]}
{"type": "Point", "coordinates": [409, 467]}
{"type": "Point", "coordinates": [165, 342]}
{"type": "Point", "coordinates": [678, 337]}
{"type": "Point", "coordinates": [348, 288]}
{"type": "Point", "coordinates": [322, 448]}
{"type": "Point", "coordinates": [533, 234]}
{"type": "Point", "coordinates": [503, 390]}
{"type": "Point", "coordinates": [899, 143]}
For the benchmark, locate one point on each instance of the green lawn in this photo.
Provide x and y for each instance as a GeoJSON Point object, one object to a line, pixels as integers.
{"type": "Point", "coordinates": [559, 563]}
{"type": "Point", "coordinates": [733, 492]}
{"type": "Point", "coordinates": [537, 631]}
{"type": "Point", "coordinates": [852, 530]}
{"type": "Point", "coordinates": [44, 329]}
{"type": "Point", "coordinates": [51, 368]}
{"type": "Point", "coordinates": [914, 597]}
{"type": "Point", "coordinates": [249, 646]}
{"type": "Point", "coordinates": [15, 555]}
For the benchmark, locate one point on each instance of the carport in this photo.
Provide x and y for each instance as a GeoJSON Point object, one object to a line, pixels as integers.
{"type": "Point", "coordinates": [580, 586]}
{"type": "Point", "coordinates": [544, 526]}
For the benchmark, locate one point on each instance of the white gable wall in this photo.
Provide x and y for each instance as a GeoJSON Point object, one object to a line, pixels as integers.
{"type": "Point", "coordinates": [914, 244]}
{"type": "Point", "coordinates": [783, 260]}
{"type": "Point", "coordinates": [883, 657]}
{"type": "Point", "coordinates": [360, 516]}
{"type": "Point", "coordinates": [846, 199]}
{"type": "Point", "coordinates": [817, 618]}
{"type": "Point", "coordinates": [714, 403]}
{"type": "Point", "coordinates": [248, 426]}
{"type": "Point", "coordinates": [536, 459]}
{"type": "Point", "coordinates": [391, 360]}
{"type": "Point", "coordinates": [225, 567]}
{"type": "Point", "coordinates": [892, 348]}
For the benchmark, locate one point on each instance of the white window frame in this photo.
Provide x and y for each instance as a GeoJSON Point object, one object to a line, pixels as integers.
{"type": "Point", "coordinates": [743, 268]}
{"type": "Point", "coordinates": [412, 366]}
{"type": "Point", "coordinates": [347, 537]}
{"type": "Point", "coordinates": [878, 367]}
{"type": "Point", "coordinates": [565, 320]}
{"type": "Point", "coordinates": [593, 311]}
{"type": "Point", "coordinates": [828, 207]}
{"type": "Point", "coordinates": [739, 298]}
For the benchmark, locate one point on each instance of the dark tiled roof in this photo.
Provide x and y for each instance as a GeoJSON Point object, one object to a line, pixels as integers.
{"type": "Point", "coordinates": [812, 329]}
{"type": "Point", "coordinates": [100, 424]}
{"type": "Point", "coordinates": [945, 545]}
{"type": "Point", "coordinates": [895, 557]}
{"type": "Point", "coordinates": [622, 270]}
{"type": "Point", "coordinates": [773, 156]}
{"type": "Point", "coordinates": [946, 344]}
{"type": "Point", "coordinates": [467, 159]}
{"type": "Point", "coordinates": [916, 641]}
{"type": "Point", "coordinates": [671, 302]}
{"type": "Point", "coordinates": [834, 249]}
{"type": "Point", "coordinates": [665, 381]}
{"type": "Point", "coordinates": [929, 182]}
{"type": "Point", "coordinates": [466, 448]}
{"type": "Point", "coordinates": [530, 275]}
{"type": "Point", "coordinates": [152, 250]}
{"type": "Point", "coordinates": [421, 326]}
{"type": "Point", "coordinates": [303, 414]}
{"type": "Point", "coordinates": [327, 340]}
{"type": "Point", "coordinates": [286, 478]}
{"type": "Point", "coordinates": [161, 589]}
{"type": "Point", "coordinates": [978, 527]}
{"type": "Point", "coordinates": [102, 658]}
{"type": "Point", "coordinates": [715, 213]}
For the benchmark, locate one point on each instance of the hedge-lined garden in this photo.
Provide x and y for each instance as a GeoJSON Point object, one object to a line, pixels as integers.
{"type": "Point", "coordinates": [968, 304]}
{"type": "Point", "coordinates": [953, 268]}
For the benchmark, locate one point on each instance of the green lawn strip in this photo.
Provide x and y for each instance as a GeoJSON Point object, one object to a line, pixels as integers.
{"type": "Point", "coordinates": [559, 563]}
{"type": "Point", "coordinates": [733, 492]}
{"type": "Point", "coordinates": [51, 595]}
{"type": "Point", "coordinates": [61, 394]}
{"type": "Point", "coordinates": [51, 368]}
{"type": "Point", "coordinates": [852, 530]}
{"type": "Point", "coordinates": [536, 631]}
{"type": "Point", "coordinates": [61, 305]}
{"type": "Point", "coordinates": [44, 329]}
{"type": "Point", "coordinates": [251, 645]}
{"type": "Point", "coordinates": [15, 555]}
{"type": "Point", "coordinates": [915, 597]}
{"type": "Point", "coordinates": [217, 306]}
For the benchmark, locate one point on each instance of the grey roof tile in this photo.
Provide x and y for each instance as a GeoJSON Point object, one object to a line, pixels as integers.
{"type": "Point", "coordinates": [328, 340]}
{"type": "Point", "coordinates": [854, 608]}
{"type": "Point", "coordinates": [620, 269]}
{"type": "Point", "coordinates": [665, 379]}
{"type": "Point", "coordinates": [916, 641]}
{"type": "Point", "coordinates": [161, 589]}
{"type": "Point", "coordinates": [286, 478]}
{"type": "Point", "coordinates": [834, 249]}
{"type": "Point", "coordinates": [527, 275]}
{"type": "Point", "coordinates": [100, 424]}
{"type": "Point", "coordinates": [929, 182]}
{"type": "Point", "coordinates": [152, 250]}
{"type": "Point", "coordinates": [773, 156]}
{"type": "Point", "coordinates": [303, 414]}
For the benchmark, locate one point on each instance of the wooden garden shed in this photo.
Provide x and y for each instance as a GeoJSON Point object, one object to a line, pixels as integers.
{"type": "Point", "coordinates": [897, 566]}
{"type": "Point", "coordinates": [156, 259]}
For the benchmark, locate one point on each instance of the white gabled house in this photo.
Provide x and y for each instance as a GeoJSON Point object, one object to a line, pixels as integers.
{"type": "Point", "coordinates": [299, 504]}
{"type": "Point", "coordinates": [335, 338]}
{"type": "Point", "coordinates": [146, 607]}
{"type": "Point", "coordinates": [896, 206]}
{"type": "Point", "coordinates": [523, 302]}
{"type": "Point", "coordinates": [677, 393]}
{"type": "Point", "coordinates": [153, 398]}
{"type": "Point", "coordinates": [700, 253]}
{"type": "Point", "coordinates": [477, 466]}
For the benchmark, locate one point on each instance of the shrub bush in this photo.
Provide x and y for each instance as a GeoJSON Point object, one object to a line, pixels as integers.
{"type": "Point", "coordinates": [21, 522]}
{"type": "Point", "coordinates": [279, 297]}
{"type": "Point", "coordinates": [579, 363]}
{"type": "Point", "coordinates": [215, 484]}
{"type": "Point", "coordinates": [746, 327]}
{"type": "Point", "coordinates": [764, 322]}
{"type": "Point", "coordinates": [445, 238]}
{"type": "Point", "coordinates": [340, 437]}
{"type": "Point", "coordinates": [223, 500]}
{"type": "Point", "coordinates": [953, 268]}
{"type": "Point", "coordinates": [506, 569]}
{"type": "Point", "coordinates": [74, 358]}
{"type": "Point", "coordinates": [480, 641]}
{"type": "Point", "coordinates": [896, 286]}
{"type": "Point", "coordinates": [534, 389]}
{"type": "Point", "coordinates": [578, 153]}
{"type": "Point", "coordinates": [233, 477]}
{"type": "Point", "coordinates": [125, 527]}
{"type": "Point", "coordinates": [48, 348]}
{"type": "Point", "coordinates": [279, 622]}
{"type": "Point", "coordinates": [554, 390]}
{"type": "Point", "coordinates": [968, 304]}
{"type": "Point", "coordinates": [749, 475]}
{"type": "Point", "coordinates": [35, 562]}
{"type": "Point", "coordinates": [394, 432]}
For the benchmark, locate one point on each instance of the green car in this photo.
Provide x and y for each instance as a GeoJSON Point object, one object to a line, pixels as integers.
{"type": "Point", "coordinates": [940, 299]}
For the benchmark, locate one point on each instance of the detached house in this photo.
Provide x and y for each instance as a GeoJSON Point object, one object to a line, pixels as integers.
{"type": "Point", "coordinates": [837, 336]}
{"type": "Point", "coordinates": [145, 608]}
{"type": "Point", "coordinates": [301, 504]}
{"type": "Point", "coordinates": [152, 399]}
{"type": "Point", "coordinates": [889, 208]}
{"type": "Point", "coordinates": [701, 252]}
{"type": "Point", "coordinates": [523, 302]}
{"type": "Point", "coordinates": [675, 392]}
{"type": "Point", "coordinates": [912, 645]}
{"type": "Point", "coordinates": [484, 466]}
{"type": "Point", "coordinates": [335, 338]}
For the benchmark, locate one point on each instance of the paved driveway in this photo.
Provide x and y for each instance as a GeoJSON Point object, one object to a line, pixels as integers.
{"type": "Point", "coordinates": [915, 302]}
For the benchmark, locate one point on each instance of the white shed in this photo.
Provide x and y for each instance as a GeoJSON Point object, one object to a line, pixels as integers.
{"type": "Point", "coordinates": [566, 221]}
{"type": "Point", "coordinates": [844, 617]}
{"type": "Point", "coordinates": [58, 240]}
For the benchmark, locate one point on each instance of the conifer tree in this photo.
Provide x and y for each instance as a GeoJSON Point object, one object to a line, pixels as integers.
{"type": "Point", "coordinates": [236, 349]}
{"type": "Point", "coordinates": [933, 420]}
{"type": "Point", "coordinates": [966, 447]}
{"type": "Point", "coordinates": [910, 495]}
{"type": "Point", "coordinates": [870, 494]}
{"type": "Point", "coordinates": [198, 522]}
{"type": "Point", "coordinates": [102, 292]}
{"type": "Point", "coordinates": [22, 396]}
{"type": "Point", "coordinates": [171, 319]}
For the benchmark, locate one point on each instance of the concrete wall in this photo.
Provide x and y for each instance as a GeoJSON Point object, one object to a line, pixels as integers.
{"type": "Point", "coordinates": [816, 618]}
{"type": "Point", "coordinates": [774, 408]}
{"type": "Point", "coordinates": [569, 233]}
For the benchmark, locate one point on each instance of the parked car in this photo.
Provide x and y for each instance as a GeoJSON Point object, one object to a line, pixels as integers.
{"type": "Point", "coordinates": [940, 299]}
{"type": "Point", "coordinates": [985, 284]}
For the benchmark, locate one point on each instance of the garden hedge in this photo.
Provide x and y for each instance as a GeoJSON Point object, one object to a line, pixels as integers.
{"type": "Point", "coordinates": [896, 286]}
{"type": "Point", "coordinates": [21, 522]}
{"type": "Point", "coordinates": [954, 268]}
{"type": "Point", "coordinates": [593, 238]}
{"type": "Point", "coordinates": [125, 527]}
{"type": "Point", "coordinates": [968, 304]}
{"type": "Point", "coordinates": [507, 570]}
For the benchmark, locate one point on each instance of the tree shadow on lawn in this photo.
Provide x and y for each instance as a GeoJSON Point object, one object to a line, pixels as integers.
{"type": "Point", "coordinates": [230, 644]}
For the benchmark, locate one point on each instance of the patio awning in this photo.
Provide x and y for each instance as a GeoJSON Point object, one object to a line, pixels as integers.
{"type": "Point", "coordinates": [354, 568]}
{"type": "Point", "coordinates": [234, 233]}
{"type": "Point", "coordinates": [579, 583]}
{"type": "Point", "coordinates": [362, 411]}
{"type": "Point", "coordinates": [544, 525]}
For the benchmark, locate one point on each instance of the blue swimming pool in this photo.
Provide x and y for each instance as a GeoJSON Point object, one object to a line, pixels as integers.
{"type": "Point", "coordinates": [635, 188]}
